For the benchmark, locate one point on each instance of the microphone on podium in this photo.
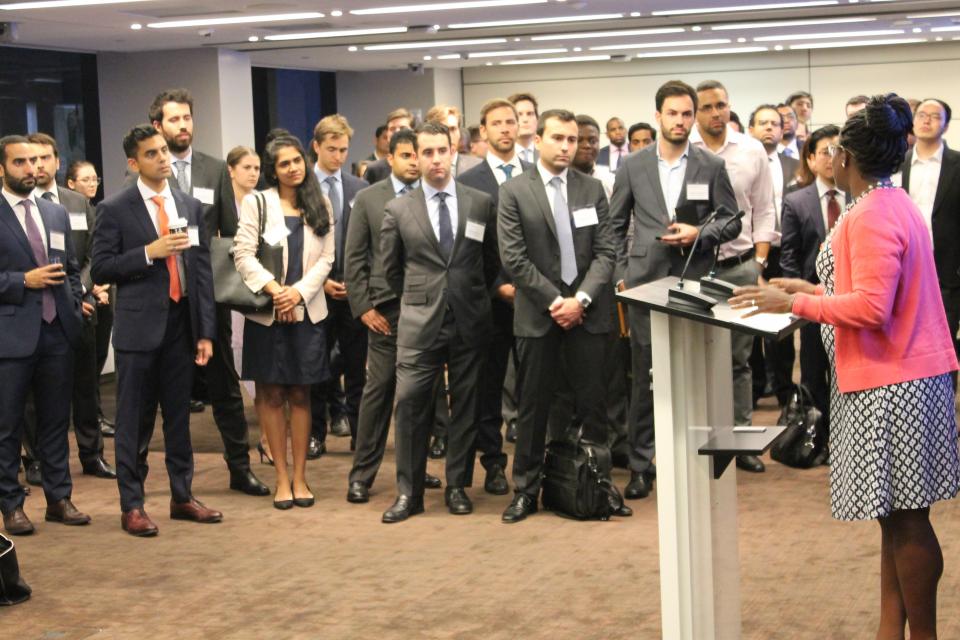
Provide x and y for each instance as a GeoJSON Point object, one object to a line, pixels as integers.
{"type": "Point", "coordinates": [710, 283]}
{"type": "Point", "coordinates": [677, 294]}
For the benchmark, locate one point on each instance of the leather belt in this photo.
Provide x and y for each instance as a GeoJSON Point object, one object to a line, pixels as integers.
{"type": "Point", "coordinates": [736, 261]}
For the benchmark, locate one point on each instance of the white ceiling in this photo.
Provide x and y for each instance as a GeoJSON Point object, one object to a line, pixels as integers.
{"type": "Point", "coordinates": [108, 28]}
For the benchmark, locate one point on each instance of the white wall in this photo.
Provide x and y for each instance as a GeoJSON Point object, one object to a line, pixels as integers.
{"type": "Point", "coordinates": [607, 89]}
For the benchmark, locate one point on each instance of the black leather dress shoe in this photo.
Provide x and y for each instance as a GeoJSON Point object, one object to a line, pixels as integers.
{"type": "Point", "coordinates": [196, 406]}
{"type": "Point", "coordinates": [33, 474]}
{"type": "Point", "coordinates": [639, 486]}
{"type": "Point", "coordinates": [496, 481]}
{"type": "Point", "coordinates": [753, 464]}
{"type": "Point", "coordinates": [511, 431]}
{"type": "Point", "coordinates": [619, 508]}
{"type": "Point", "coordinates": [438, 447]}
{"type": "Point", "coordinates": [521, 507]}
{"type": "Point", "coordinates": [402, 508]}
{"type": "Point", "coordinates": [244, 480]}
{"type": "Point", "coordinates": [358, 493]}
{"type": "Point", "coordinates": [98, 467]}
{"type": "Point", "coordinates": [107, 428]}
{"type": "Point", "coordinates": [340, 427]}
{"type": "Point", "coordinates": [431, 482]}
{"type": "Point", "coordinates": [457, 501]}
{"type": "Point", "coordinates": [315, 448]}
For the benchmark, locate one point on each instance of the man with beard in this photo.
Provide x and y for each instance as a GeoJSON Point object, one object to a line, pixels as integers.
{"type": "Point", "coordinates": [651, 186]}
{"type": "Point", "coordinates": [39, 327]}
{"type": "Point", "coordinates": [612, 155]}
{"type": "Point", "coordinates": [789, 145]}
{"type": "Point", "coordinates": [206, 179]}
{"type": "Point", "coordinates": [641, 135]}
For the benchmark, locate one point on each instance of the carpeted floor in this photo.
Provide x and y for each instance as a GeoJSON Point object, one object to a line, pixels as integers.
{"type": "Point", "coordinates": [334, 571]}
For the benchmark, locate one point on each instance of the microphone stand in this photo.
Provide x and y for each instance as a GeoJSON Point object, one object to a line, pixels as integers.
{"type": "Point", "coordinates": [678, 294]}
{"type": "Point", "coordinates": [710, 283]}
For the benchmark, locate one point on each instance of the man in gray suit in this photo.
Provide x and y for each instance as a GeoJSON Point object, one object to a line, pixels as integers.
{"type": "Point", "coordinates": [440, 255]}
{"type": "Point", "coordinates": [557, 246]}
{"type": "Point", "coordinates": [653, 186]}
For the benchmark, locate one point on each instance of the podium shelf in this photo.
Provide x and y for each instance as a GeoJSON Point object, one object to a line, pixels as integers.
{"type": "Point", "coordinates": [728, 442]}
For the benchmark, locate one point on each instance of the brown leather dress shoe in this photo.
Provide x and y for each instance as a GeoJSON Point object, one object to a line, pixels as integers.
{"type": "Point", "coordinates": [64, 512]}
{"type": "Point", "coordinates": [17, 523]}
{"type": "Point", "coordinates": [136, 522]}
{"type": "Point", "coordinates": [194, 511]}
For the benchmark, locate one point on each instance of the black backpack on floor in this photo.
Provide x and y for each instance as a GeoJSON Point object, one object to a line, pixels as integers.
{"type": "Point", "coordinates": [576, 481]}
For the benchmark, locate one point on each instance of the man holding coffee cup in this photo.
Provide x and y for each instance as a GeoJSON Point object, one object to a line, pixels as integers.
{"type": "Point", "coordinates": [39, 328]}
{"type": "Point", "coordinates": [147, 242]}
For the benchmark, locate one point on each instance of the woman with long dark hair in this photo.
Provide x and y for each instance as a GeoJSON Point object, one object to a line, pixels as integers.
{"type": "Point", "coordinates": [284, 349]}
{"type": "Point", "coordinates": [893, 431]}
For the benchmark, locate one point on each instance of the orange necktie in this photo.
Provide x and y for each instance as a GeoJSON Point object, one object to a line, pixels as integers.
{"type": "Point", "coordinates": [164, 225]}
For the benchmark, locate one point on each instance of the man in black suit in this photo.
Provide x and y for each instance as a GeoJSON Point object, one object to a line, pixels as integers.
{"type": "Point", "coordinates": [331, 144]}
{"type": "Point", "coordinates": [165, 322]}
{"type": "Point", "coordinates": [808, 215]}
{"type": "Point", "coordinates": [498, 126]}
{"type": "Point", "coordinates": [206, 179]}
{"type": "Point", "coordinates": [85, 396]}
{"type": "Point", "coordinates": [528, 111]}
{"type": "Point", "coordinates": [614, 153]}
{"type": "Point", "coordinates": [39, 326]}
{"type": "Point", "coordinates": [931, 175]}
{"type": "Point", "coordinates": [397, 119]}
{"type": "Point", "coordinates": [651, 187]}
{"type": "Point", "coordinates": [440, 255]}
{"type": "Point", "coordinates": [557, 246]}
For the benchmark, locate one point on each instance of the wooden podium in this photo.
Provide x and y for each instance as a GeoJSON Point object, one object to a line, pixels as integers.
{"type": "Point", "coordinates": [696, 500]}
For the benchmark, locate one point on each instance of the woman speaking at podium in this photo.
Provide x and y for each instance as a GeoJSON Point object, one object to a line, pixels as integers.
{"type": "Point", "coordinates": [893, 432]}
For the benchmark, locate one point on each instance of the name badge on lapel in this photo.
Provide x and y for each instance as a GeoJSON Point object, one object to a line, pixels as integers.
{"type": "Point", "coordinates": [58, 241]}
{"type": "Point", "coordinates": [698, 191]}
{"type": "Point", "coordinates": [474, 230]}
{"type": "Point", "coordinates": [193, 233]}
{"type": "Point", "coordinates": [78, 222]}
{"type": "Point", "coordinates": [585, 217]}
{"type": "Point", "coordinates": [203, 195]}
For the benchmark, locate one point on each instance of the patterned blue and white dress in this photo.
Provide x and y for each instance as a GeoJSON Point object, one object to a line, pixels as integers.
{"type": "Point", "coordinates": [891, 447]}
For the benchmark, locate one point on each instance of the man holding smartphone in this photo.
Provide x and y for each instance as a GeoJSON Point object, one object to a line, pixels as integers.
{"type": "Point", "coordinates": [39, 328]}
{"type": "Point", "coordinates": [148, 243]}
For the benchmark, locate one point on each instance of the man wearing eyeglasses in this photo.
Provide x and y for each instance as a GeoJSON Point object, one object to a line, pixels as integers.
{"type": "Point", "coordinates": [930, 175]}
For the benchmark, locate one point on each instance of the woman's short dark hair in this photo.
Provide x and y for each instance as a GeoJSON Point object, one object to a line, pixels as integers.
{"type": "Point", "coordinates": [309, 195]}
{"type": "Point", "coordinates": [74, 169]}
{"type": "Point", "coordinates": [877, 135]}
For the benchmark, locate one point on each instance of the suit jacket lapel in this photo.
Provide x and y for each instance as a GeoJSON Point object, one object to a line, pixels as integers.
{"type": "Point", "coordinates": [905, 171]}
{"type": "Point", "coordinates": [464, 204]}
{"type": "Point", "coordinates": [423, 219]}
{"type": "Point", "coordinates": [652, 171]}
{"type": "Point", "coordinates": [139, 210]}
{"type": "Point", "coordinates": [948, 172]}
{"type": "Point", "coordinates": [813, 198]}
{"type": "Point", "coordinates": [46, 216]}
{"type": "Point", "coordinates": [540, 196]}
{"type": "Point", "coordinates": [690, 175]}
{"type": "Point", "coordinates": [9, 217]}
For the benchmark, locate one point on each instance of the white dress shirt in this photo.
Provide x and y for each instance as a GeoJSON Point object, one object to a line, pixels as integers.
{"type": "Point", "coordinates": [606, 178]}
{"type": "Point", "coordinates": [617, 156]}
{"type": "Point", "coordinates": [822, 189]}
{"type": "Point", "coordinates": [789, 150]}
{"type": "Point", "coordinates": [399, 185]}
{"type": "Point", "coordinates": [495, 164]}
{"type": "Point", "coordinates": [20, 211]}
{"type": "Point", "coordinates": [776, 174]}
{"type": "Point", "coordinates": [924, 180]}
{"type": "Point", "coordinates": [433, 206]}
{"type": "Point", "coordinates": [527, 153]}
{"type": "Point", "coordinates": [546, 176]}
{"type": "Point", "coordinates": [671, 180]}
{"type": "Point", "coordinates": [170, 207]}
{"type": "Point", "coordinates": [188, 168]}
{"type": "Point", "coordinates": [52, 191]}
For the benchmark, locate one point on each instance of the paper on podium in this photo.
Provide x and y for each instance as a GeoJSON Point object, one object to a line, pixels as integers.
{"type": "Point", "coordinates": [771, 322]}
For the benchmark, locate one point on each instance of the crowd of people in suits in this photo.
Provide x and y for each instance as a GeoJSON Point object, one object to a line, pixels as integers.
{"type": "Point", "coordinates": [464, 277]}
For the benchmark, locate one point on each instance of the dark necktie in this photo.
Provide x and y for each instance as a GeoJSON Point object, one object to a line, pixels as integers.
{"type": "Point", "coordinates": [507, 170]}
{"type": "Point", "coordinates": [615, 152]}
{"type": "Point", "coordinates": [48, 196]}
{"type": "Point", "coordinates": [833, 209]}
{"type": "Point", "coordinates": [445, 227]}
{"type": "Point", "coordinates": [49, 311]}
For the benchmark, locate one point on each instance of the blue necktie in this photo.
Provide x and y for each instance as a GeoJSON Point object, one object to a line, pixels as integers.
{"type": "Point", "coordinates": [49, 311]}
{"type": "Point", "coordinates": [561, 216]}
{"type": "Point", "coordinates": [507, 170]}
{"type": "Point", "coordinates": [446, 228]}
{"type": "Point", "coordinates": [338, 234]}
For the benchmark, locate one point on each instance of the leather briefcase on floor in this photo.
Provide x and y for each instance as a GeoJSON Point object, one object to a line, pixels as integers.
{"type": "Point", "coordinates": [576, 481]}
{"type": "Point", "coordinates": [803, 440]}
{"type": "Point", "coordinates": [13, 590]}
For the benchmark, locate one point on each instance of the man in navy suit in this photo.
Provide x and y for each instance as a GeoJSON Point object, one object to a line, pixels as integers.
{"type": "Point", "coordinates": [148, 243]}
{"type": "Point", "coordinates": [39, 326]}
{"type": "Point", "coordinates": [331, 144]}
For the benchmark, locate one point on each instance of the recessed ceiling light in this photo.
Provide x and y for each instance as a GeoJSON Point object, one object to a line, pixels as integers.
{"type": "Point", "coordinates": [336, 13]}
{"type": "Point", "coordinates": [556, 60]}
{"type": "Point", "coordinates": [917, 30]}
{"type": "Point", "coordinates": [610, 34]}
{"type": "Point", "coordinates": [516, 39]}
{"type": "Point", "coordinates": [698, 52]}
{"type": "Point", "coordinates": [786, 23]}
{"type": "Point", "coordinates": [209, 22]}
{"type": "Point", "coordinates": [428, 58]}
{"type": "Point", "coordinates": [578, 48]}
{"type": "Point", "coordinates": [696, 28]}
{"type": "Point", "coordinates": [353, 48]}
{"type": "Point", "coordinates": [525, 21]}
{"type": "Point", "coordinates": [489, 64]}
{"type": "Point", "coordinates": [856, 43]}
{"type": "Point", "coordinates": [60, 4]}
{"type": "Point", "coordinates": [449, 56]}
{"type": "Point", "coordinates": [938, 14]}
{"type": "Point", "coordinates": [746, 7]}
{"type": "Point", "coordinates": [635, 14]}
{"type": "Point", "coordinates": [136, 26]}
{"type": "Point", "coordinates": [518, 52]}
{"type": "Point", "coordinates": [442, 6]}
{"type": "Point", "coordinates": [779, 47]}
{"type": "Point", "coordinates": [835, 34]}
{"type": "Point", "coordinates": [660, 45]}
{"type": "Point", "coordinates": [741, 39]}
{"type": "Point", "coordinates": [253, 39]}
{"type": "Point", "coordinates": [338, 33]}
{"type": "Point", "coordinates": [939, 38]}
{"type": "Point", "coordinates": [945, 29]}
{"type": "Point", "coordinates": [432, 44]}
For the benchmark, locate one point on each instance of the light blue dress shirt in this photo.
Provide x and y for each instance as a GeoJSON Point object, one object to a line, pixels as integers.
{"type": "Point", "coordinates": [671, 180]}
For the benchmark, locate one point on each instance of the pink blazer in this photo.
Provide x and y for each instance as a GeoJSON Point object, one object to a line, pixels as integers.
{"type": "Point", "coordinates": [887, 309]}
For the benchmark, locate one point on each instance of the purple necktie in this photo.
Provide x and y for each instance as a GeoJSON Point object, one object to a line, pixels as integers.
{"type": "Point", "coordinates": [40, 255]}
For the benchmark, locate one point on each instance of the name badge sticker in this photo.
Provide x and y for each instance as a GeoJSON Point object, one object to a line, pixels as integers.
{"type": "Point", "coordinates": [585, 217]}
{"type": "Point", "coordinates": [194, 234]}
{"type": "Point", "coordinates": [58, 241]}
{"type": "Point", "coordinates": [698, 191]}
{"type": "Point", "coordinates": [475, 230]}
{"type": "Point", "coordinates": [78, 222]}
{"type": "Point", "coordinates": [203, 195]}
{"type": "Point", "coordinates": [274, 235]}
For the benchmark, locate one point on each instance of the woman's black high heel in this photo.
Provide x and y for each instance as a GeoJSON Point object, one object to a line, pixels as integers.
{"type": "Point", "coordinates": [263, 454]}
{"type": "Point", "coordinates": [283, 505]}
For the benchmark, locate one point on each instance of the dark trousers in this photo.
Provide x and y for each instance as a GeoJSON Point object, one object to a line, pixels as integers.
{"type": "Point", "coordinates": [48, 374]}
{"type": "Point", "coordinates": [350, 336]}
{"type": "Point", "coordinates": [640, 431]}
{"type": "Point", "coordinates": [490, 401]}
{"type": "Point", "coordinates": [103, 330]}
{"type": "Point", "coordinates": [144, 378]}
{"type": "Point", "coordinates": [417, 371]}
{"type": "Point", "coordinates": [572, 359]}
{"type": "Point", "coordinates": [376, 404]}
{"type": "Point", "coordinates": [815, 369]}
{"type": "Point", "coordinates": [772, 360]}
{"type": "Point", "coordinates": [223, 387]}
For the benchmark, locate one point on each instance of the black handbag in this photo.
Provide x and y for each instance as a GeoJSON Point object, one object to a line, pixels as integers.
{"type": "Point", "coordinates": [229, 289]}
{"type": "Point", "coordinates": [13, 590]}
{"type": "Point", "coordinates": [800, 444]}
{"type": "Point", "coordinates": [576, 481]}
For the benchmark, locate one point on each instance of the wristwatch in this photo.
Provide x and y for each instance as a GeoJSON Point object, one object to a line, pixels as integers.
{"type": "Point", "coordinates": [583, 299]}
{"type": "Point", "coordinates": [763, 262]}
